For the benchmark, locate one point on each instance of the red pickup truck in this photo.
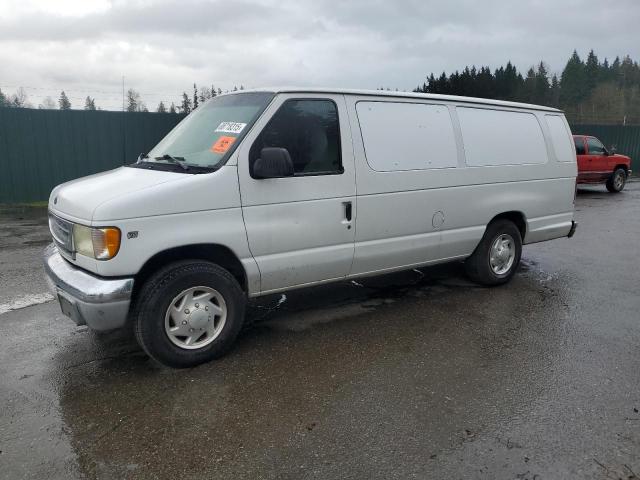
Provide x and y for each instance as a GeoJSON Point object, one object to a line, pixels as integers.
{"type": "Point", "coordinates": [596, 164]}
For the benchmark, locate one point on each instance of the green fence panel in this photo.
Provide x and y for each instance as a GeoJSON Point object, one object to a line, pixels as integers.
{"type": "Point", "coordinates": [40, 149]}
{"type": "Point", "coordinates": [626, 139]}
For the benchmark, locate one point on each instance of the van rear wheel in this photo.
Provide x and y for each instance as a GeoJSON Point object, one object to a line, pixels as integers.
{"type": "Point", "coordinates": [497, 256]}
{"type": "Point", "coordinates": [188, 313]}
{"type": "Point", "coordinates": [617, 181]}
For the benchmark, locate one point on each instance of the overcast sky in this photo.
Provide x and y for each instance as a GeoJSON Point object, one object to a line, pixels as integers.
{"type": "Point", "coordinates": [162, 47]}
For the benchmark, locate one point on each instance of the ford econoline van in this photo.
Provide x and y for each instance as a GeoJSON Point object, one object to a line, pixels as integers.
{"type": "Point", "coordinates": [263, 191]}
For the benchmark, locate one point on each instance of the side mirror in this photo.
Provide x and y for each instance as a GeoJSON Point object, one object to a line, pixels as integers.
{"type": "Point", "coordinates": [612, 150]}
{"type": "Point", "coordinates": [274, 162]}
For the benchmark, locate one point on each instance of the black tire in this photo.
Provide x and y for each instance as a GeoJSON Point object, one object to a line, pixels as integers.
{"type": "Point", "coordinates": [156, 296]}
{"type": "Point", "coordinates": [617, 181]}
{"type": "Point", "coordinates": [478, 265]}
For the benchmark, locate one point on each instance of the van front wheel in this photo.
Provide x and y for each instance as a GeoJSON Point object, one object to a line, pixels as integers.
{"type": "Point", "coordinates": [188, 313]}
{"type": "Point", "coordinates": [497, 256]}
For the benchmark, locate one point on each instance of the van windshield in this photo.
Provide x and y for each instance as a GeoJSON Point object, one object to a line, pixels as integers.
{"type": "Point", "coordinates": [207, 136]}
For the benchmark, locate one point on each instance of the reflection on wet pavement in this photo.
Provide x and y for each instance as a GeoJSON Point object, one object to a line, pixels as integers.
{"type": "Point", "coordinates": [419, 373]}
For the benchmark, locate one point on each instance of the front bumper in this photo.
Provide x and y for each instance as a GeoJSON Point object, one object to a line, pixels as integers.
{"type": "Point", "coordinates": [100, 303]}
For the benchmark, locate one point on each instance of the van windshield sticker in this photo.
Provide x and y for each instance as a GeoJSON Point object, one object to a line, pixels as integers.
{"type": "Point", "coordinates": [230, 127]}
{"type": "Point", "coordinates": [222, 144]}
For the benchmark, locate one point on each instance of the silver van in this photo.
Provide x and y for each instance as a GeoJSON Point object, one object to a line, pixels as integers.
{"type": "Point", "coordinates": [263, 191]}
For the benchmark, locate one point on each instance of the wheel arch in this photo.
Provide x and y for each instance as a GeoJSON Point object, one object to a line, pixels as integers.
{"type": "Point", "coordinates": [622, 166]}
{"type": "Point", "coordinates": [215, 253]}
{"type": "Point", "coordinates": [518, 218]}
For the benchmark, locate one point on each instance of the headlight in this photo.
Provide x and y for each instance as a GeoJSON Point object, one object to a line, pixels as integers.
{"type": "Point", "coordinates": [99, 243]}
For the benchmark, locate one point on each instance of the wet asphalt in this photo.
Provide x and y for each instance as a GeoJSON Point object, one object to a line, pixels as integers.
{"type": "Point", "coordinates": [23, 236]}
{"type": "Point", "coordinates": [413, 375]}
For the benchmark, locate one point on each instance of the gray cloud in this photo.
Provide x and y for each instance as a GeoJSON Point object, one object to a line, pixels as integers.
{"type": "Point", "coordinates": [163, 47]}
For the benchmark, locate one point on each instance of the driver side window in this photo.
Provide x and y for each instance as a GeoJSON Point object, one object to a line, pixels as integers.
{"type": "Point", "coordinates": [310, 131]}
{"type": "Point", "coordinates": [595, 146]}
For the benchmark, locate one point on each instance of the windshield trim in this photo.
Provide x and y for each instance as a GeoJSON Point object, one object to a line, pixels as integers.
{"type": "Point", "coordinates": [192, 169]}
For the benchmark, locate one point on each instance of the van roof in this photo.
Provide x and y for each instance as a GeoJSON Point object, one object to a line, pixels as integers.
{"type": "Point", "coordinates": [392, 94]}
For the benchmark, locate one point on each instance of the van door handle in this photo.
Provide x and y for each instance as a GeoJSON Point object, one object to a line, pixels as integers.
{"type": "Point", "coordinates": [348, 211]}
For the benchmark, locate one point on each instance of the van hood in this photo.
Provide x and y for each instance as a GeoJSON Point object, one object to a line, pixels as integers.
{"type": "Point", "coordinates": [80, 198]}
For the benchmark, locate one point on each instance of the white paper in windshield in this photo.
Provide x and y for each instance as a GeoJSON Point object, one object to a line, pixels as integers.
{"type": "Point", "coordinates": [230, 127]}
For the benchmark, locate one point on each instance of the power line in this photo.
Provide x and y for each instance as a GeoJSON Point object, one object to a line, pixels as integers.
{"type": "Point", "coordinates": [59, 89]}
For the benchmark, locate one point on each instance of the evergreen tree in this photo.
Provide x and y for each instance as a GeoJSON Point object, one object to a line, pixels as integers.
{"type": "Point", "coordinates": [195, 96]}
{"type": "Point", "coordinates": [134, 102]}
{"type": "Point", "coordinates": [628, 72]}
{"type": "Point", "coordinates": [587, 91]}
{"type": "Point", "coordinates": [554, 93]}
{"type": "Point", "coordinates": [431, 85]}
{"type": "Point", "coordinates": [606, 74]}
{"type": "Point", "coordinates": [615, 69]}
{"type": "Point", "coordinates": [90, 103]}
{"type": "Point", "coordinates": [592, 72]}
{"type": "Point", "coordinates": [161, 108]}
{"type": "Point", "coordinates": [3, 99]}
{"type": "Point", "coordinates": [485, 83]}
{"type": "Point", "coordinates": [185, 107]}
{"type": "Point", "coordinates": [529, 88]}
{"type": "Point", "coordinates": [573, 82]}
{"type": "Point", "coordinates": [542, 89]}
{"type": "Point", "coordinates": [172, 108]}
{"type": "Point", "coordinates": [64, 102]}
{"type": "Point", "coordinates": [515, 81]}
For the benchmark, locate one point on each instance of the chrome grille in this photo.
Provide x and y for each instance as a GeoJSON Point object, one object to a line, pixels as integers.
{"type": "Point", "coordinates": [62, 233]}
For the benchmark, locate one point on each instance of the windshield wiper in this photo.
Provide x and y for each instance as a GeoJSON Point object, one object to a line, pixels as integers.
{"type": "Point", "coordinates": [172, 159]}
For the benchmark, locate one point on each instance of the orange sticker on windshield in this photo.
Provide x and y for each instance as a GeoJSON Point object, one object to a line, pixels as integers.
{"type": "Point", "coordinates": [222, 144]}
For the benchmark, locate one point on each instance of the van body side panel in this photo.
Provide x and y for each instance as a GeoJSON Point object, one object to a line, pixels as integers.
{"type": "Point", "coordinates": [548, 227]}
{"type": "Point", "coordinates": [421, 216]}
{"type": "Point", "coordinates": [159, 233]}
{"type": "Point", "coordinates": [467, 211]}
{"type": "Point", "coordinates": [207, 212]}
{"type": "Point", "coordinates": [296, 226]}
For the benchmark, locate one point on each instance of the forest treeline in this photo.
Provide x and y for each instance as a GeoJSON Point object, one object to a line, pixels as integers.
{"type": "Point", "coordinates": [131, 102]}
{"type": "Point", "coordinates": [589, 91]}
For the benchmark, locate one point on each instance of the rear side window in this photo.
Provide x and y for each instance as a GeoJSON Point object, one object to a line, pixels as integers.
{"type": "Point", "coordinates": [595, 146]}
{"type": "Point", "coordinates": [501, 137]}
{"type": "Point", "coordinates": [579, 141]}
{"type": "Point", "coordinates": [560, 138]}
{"type": "Point", "coordinates": [407, 136]}
{"type": "Point", "coordinates": [310, 131]}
